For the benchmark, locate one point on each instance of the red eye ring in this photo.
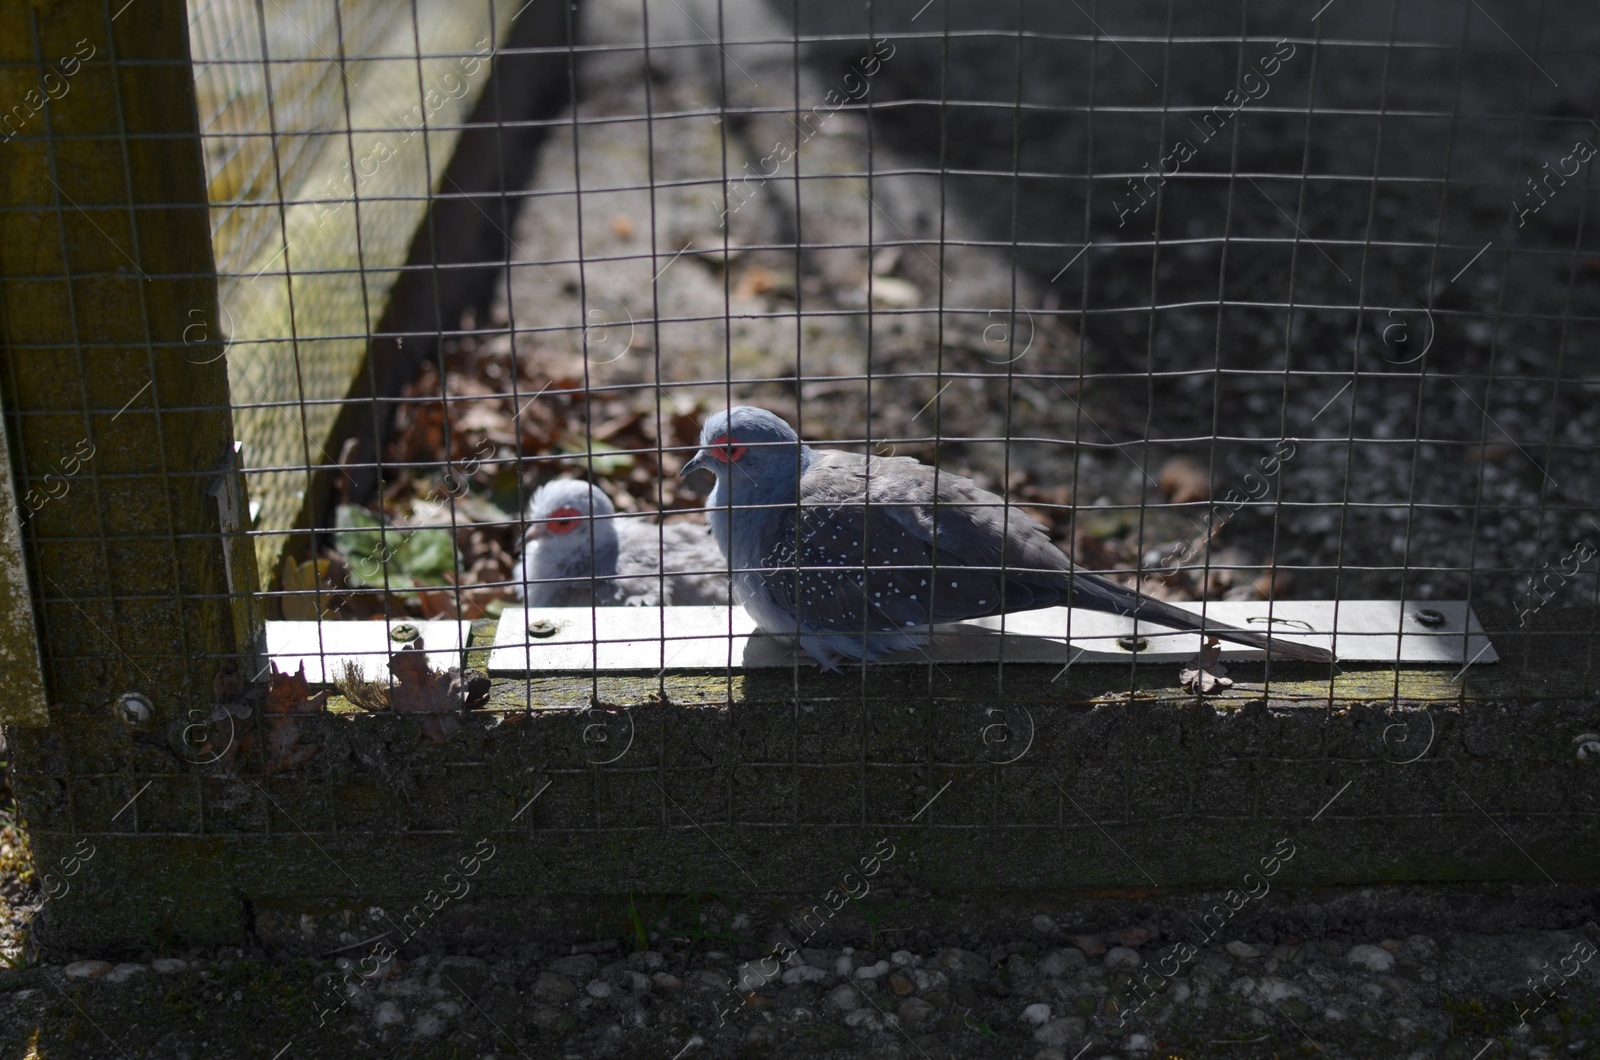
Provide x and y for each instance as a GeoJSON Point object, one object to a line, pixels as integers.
{"type": "Point", "coordinates": [724, 451]}
{"type": "Point", "coordinates": [563, 520]}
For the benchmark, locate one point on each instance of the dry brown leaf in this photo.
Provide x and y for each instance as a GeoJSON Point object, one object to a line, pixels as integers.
{"type": "Point", "coordinates": [1183, 480]}
{"type": "Point", "coordinates": [627, 420]}
{"type": "Point", "coordinates": [439, 697]}
{"type": "Point", "coordinates": [291, 693]}
{"type": "Point", "coordinates": [288, 695]}
{"type": "Point", "coordinates": [758, 279]}
{"type": "Point", "coordinates": [302, 579]}
{"type": "Point", "coordinates": [1205, 673]}
{"type": "Point", "coordinates": [284, 749]}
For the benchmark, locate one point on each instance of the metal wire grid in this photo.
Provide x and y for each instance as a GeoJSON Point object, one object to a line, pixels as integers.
{"type": "Point", "coordinates": [249, 149]}
{"type": "Point", "coordinates": [1086, 314]}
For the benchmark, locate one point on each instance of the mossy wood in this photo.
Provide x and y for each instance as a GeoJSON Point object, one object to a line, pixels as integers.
{"type": "Point", "coordinates": [300, 314]}
{"type": "Point", "coordinates": [118, 414]}
{"type": "Point", "coordinates": [21, 675]}
{"type": "Point", "coordinates": [766, 788]}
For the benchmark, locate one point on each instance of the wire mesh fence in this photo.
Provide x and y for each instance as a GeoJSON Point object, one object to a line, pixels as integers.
{"type": "Point", "coordinates": [1244, 304]}
{"type": "Point", "coordinates": [1241, 306]}
{"type": "Point", "coordinates": [1280, 313]}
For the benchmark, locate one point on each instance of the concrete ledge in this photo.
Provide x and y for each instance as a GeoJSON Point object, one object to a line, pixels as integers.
{"type": "Point", "coordinates": [771, 789]}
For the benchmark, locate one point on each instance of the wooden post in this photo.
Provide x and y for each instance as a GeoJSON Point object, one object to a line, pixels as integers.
{"type": "Point", "coordinates": [117, 411]}
{"type": "Point", "coordinates": [117, 396]}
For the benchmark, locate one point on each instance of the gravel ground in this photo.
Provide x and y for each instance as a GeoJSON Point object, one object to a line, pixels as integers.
{"type": "Point", "coordinates": [1043, 994]}
{"type": "Point", "coordinates": [1453, 407]}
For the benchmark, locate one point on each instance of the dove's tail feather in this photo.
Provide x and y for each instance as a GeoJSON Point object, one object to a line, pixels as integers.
{"type": "Point", "coordinates": [1102, 595]}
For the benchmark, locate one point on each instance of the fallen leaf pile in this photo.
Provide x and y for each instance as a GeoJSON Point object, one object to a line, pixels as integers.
{"type": "Point", "coordinates": [467, 451]}
{"type": "Point", "coordinates": [468, 447]}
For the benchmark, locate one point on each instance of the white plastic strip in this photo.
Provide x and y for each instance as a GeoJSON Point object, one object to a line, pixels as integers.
{"type": "Point", "coordinates": [324, 647]}
{"type": "Point", "coordinates": [649, 639]}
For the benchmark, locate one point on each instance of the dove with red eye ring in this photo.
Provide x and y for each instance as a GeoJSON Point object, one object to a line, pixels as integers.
{"type": "Point", "coordinates": [579, 552]}
{"type": "Point", "coordinates": [857, 557]}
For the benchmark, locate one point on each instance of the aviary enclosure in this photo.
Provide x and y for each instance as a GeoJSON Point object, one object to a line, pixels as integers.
{"type": "Point", "coordinates": [1286, 312]}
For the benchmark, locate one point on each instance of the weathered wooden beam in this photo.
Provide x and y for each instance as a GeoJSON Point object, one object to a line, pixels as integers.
{"type": "Point", "coordinates": [302, 312]}
{"type": "Point", "coordinates": [21, 675]}
{"type": "Point", "coordinates": [117, 407]}
{"type": "Point", "coordinates": [686, 783]}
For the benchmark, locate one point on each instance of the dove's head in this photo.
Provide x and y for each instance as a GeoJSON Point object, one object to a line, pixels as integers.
{"type": "Point", "coordinates": [756, 457]}
{"type": "Point", "coordinates": [571, 532]}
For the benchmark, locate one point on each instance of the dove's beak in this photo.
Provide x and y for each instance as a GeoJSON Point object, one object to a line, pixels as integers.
{"type": "Point", "coordinates": [697, 464]}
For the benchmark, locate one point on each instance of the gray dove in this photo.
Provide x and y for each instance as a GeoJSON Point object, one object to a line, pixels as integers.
{"type": "Point", "coordinates": [852, 555]}
{"type": "Point", "coordinates": [580, 553]}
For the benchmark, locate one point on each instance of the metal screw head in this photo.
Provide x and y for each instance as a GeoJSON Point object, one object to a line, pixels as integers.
{"type": "Point", "coordinates": [1429, 617]}
{"type": "Point", "coordinates": [135, 708]}
{"type": "Point", "coordinates": [541, 627]}
{"type": "Point", "coordinates": [404, 633]}
{"type": "Point", "coordinates": [1588, 748]}
{"type": "Point", "coordinates": [1133, 643]}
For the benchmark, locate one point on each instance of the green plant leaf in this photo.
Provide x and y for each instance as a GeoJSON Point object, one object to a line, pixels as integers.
{"type": "Point", "coordinates": [608, 459]}
{"type": "Point", "coordinates": [379, 554]}
{"type": "Point", "coordinates": [426, 555]}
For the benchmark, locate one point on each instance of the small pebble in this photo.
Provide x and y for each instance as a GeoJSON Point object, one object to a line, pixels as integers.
{"type": "Point", "coordinates": [428, 1025]}
{"type": "Point", "coordinates": [87, 969]}
{"type": "Point", "coordinates": [803, 973]}
{"type": "Point", "coordinates": [1372, 958]}
{"type": "Point", "coordinates": [1123, 957]}
{"type": "Point", "coordinates": [553, 989]}
{"type": "Point", "coordinates": [123, 972]}
{"type": "Point", "coordinates": [1059, 963]}
{"type": "Point", "coordinates": [1243, 950]}
{"type": "Point", "coordinates": [598, 990]}
{"type": "Point", "coordinates": [1036, 1015]}
{"type": "Point", "coordinates": [1060, 1031]}
{"type": "Point", "coordinates": [168, 966]}
{"type": "Point", "coordinates": [753, 975]}
{"type": "Point", "coordinates": [846, 997]}
{"type": "Point", "coordinates": [1277, 990]}
{"type": "Point", "coordinates": [873, 971]}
